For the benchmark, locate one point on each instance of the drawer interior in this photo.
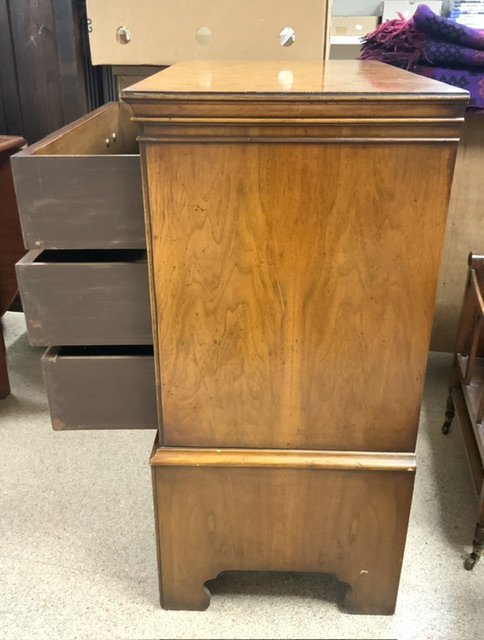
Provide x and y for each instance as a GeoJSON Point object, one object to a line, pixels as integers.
{"type": "Point", "coordinates": [106, 131]}
{"type": "Point", "coordinates": [102, 351]}
{"type": "Point", "coordinates": [85, 256]}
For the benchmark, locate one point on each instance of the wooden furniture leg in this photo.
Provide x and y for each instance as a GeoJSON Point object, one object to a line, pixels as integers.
{"type": "Point", "coordinates": [4, 381]}
{"type": "Point", "coordinates": [331, 512]}
{"type": "Point", "coordinates": [478, 542]}
{"type": "Point", "coordinates": [449, 414]}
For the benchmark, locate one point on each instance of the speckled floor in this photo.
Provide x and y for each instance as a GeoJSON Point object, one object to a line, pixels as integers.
{"type": "Point", "coordinates": [77, 548]}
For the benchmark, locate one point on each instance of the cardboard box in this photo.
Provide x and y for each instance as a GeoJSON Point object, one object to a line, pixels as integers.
{"type": "Point", "coordinates": [353, 25]}
{"type": "Point", "coordinates": [392, 8]}
{"type": "Point", "coordinates": [162, 32]}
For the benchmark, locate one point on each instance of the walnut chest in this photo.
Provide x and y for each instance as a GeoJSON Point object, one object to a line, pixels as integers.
{"type": "Point", "coordinates": [295, 219]}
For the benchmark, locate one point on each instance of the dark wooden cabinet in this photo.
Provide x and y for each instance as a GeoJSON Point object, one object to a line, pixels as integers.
{"type": "Point", "coordinates": [46, 76]}
{"type": "Point", "coordinates": [11, 244]}
{"type": "Point", "coordinates": [295, 221]}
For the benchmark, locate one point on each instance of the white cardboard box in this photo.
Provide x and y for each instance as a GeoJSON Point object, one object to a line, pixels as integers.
{"type": "Point", "coordinates": [162, 32]}
{"type": "Point", "coordinates": [353, 25]}
{"type": "Point", "coordinates": [391, 8]}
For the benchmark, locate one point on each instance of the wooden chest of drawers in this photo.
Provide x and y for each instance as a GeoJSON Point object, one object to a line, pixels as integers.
{"type": "Point", "coordinates": [295, 221]}
{"type": "Point", "coordinates": [84, 282]}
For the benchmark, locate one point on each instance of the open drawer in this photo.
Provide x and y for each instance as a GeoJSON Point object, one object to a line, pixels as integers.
{"type": "Point", "coordinates": [80, 187]}
{"type": "Point", "coordinates": [100, 387]}
{"type": "Point", "coordinates": [96, 297]}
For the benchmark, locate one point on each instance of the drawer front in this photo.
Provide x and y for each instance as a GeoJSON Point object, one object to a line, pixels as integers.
{"type": "Point", "coordinates": [100, 387]}
{"type": "Point", "coordinates": [80, 188]}
{"type": "Point", "coordinates": [85, 297]}
{"type": "Point", "coordinates": [80, 203]}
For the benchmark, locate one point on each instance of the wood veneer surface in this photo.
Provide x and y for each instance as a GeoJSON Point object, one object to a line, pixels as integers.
{"type": "Point", "coordinates": [294, 238]}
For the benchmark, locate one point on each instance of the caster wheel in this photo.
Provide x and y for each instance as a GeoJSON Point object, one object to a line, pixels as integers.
{"type": "Point", "coordinates": [446, 427]}
{"type": "Point", "coordinates": [471, 561]}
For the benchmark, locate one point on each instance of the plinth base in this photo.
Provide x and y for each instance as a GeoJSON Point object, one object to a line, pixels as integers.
{"type": "Point", "coordinates": [344, 513]}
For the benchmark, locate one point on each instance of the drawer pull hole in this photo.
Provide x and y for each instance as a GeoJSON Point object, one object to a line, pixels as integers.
{"type": "Point", "coordinates": [203, 36]}
{"type": "Point", "coordinates": [123, 35]}
{"type": "Point", "coordinates": [287, 37]}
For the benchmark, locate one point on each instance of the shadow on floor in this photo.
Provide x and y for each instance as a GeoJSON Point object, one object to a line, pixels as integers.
{"type": "Point", "coordinates": [318, 586]}
{"type": "Point", "coordinates": [448, 467]}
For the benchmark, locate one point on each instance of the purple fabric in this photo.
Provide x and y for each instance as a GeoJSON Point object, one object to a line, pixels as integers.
{"type": "Point", "coordinates": [396, 42]}
{"type": "Point", "coordinates": [470, 80]}
{"type": "Point", "coordinates": [426, 21]}
{"type": "Point", "coordinates": [440, 53]}
{"type": "Point", "coordinates": [432, 46]}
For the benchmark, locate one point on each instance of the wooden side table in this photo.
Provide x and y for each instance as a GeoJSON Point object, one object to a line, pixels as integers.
{"type": "Point", "coordinates": [11, 243]}
{"type": "Point", "coordinates": [295, 217]}
{"type": "Point", "coordinates": [466, 393]}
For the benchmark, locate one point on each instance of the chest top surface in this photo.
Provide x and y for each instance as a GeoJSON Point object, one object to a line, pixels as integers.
{"type": "Point", "coordinates": [286, 80]}
{"type": "Point", "coordinates": [334, 89]}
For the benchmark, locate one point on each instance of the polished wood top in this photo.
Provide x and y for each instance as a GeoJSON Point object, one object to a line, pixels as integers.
{"type": "Point", "coordinates": [366, 79]}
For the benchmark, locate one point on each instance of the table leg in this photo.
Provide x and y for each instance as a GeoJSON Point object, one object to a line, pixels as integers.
{"type": "Point", "coordinates": [4, 381]}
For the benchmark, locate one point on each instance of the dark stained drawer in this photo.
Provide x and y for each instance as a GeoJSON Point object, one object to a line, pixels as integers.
{"type": "Point", "coordinates": [85, 297]}
{"type": "Point", "coordinates": [100, 387]}
{"type": "Point", "coordinates": [80, 187]}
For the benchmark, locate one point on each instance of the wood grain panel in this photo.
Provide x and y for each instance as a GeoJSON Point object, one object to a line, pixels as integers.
{"type": "Point", "coordinates": [465, 232]}
{"type": "Point", "coordinates": [10, 108]}
{"type": "Point", "coordinates": [215, 519]}
{"type": "Point", "coordinates": [36, 58]}
{"type": "Point", "coordinates": [46, 79]}
{"type": "Point", "coordinates": [294, 287]}
{"type": "Point", "coordinates": [221, 82]}
{"type": "Point", "coordinates": [72, 86]}
{"type": "Point", "coordinates": [285, 458]}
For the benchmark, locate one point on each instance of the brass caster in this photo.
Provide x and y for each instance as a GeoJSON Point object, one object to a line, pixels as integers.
{"type": "Point", "coordinates": [446, 427]}
{"type": "Point", "coordinates": [471, 561]}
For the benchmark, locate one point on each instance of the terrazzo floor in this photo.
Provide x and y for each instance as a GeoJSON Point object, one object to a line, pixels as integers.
{"type": "Point", "coordinates": [77, 546]}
